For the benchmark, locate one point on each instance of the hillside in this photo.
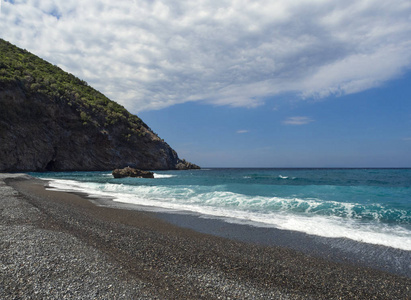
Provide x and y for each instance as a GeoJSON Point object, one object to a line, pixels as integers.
{"type": "Point", "coordinates": [51, 120]}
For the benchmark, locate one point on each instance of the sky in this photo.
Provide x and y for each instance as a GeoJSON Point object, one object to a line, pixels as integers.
{"type": "Point", "coordinates": [235, 83]}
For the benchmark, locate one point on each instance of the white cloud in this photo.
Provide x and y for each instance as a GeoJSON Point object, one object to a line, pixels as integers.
{"type": "Point", "coordinates": [242, 131]}
{"type": "Point", "coordinates": [153, 54]}
{"type": "Point", "coordinates": [298, 121]}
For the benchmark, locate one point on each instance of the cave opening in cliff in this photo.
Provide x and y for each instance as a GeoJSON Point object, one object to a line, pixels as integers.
{"type": "Point", "coordinates": [51, 165]}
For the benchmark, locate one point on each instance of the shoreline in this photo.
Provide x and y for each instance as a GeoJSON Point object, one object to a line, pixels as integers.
{"type": "Point", "coordinates": [343, 250]}
{"type": "Point", "coordinates": [149, 257]}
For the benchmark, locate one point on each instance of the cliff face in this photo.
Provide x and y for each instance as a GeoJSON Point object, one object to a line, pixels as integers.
{"type": "Point", "coordinates": [44, 128]}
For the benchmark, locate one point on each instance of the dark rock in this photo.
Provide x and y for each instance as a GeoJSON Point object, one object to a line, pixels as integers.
{"type": "Point", "coordinates": [131, 172]}
{"type": "Point", "coordinates": [42, 134]}
{"type": "Point", "coordinates": [185, 165]}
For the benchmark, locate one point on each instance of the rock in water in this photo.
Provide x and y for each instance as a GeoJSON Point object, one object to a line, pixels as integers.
{"type": "Point", "coordinates": [185, 165]}
{"type": "Point", "coordinates": [131, 172]}
{"type": "Point", "coordinates": [52, 121]}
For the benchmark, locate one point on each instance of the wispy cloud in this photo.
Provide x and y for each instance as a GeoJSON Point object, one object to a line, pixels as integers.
{"type": "Point", "coordinates": [298, 121]}
{"type": "Point", "coordinates": [407, 139]}
{"type": "Point", "coordinates": [243, 131]}
{"type": "Point", "coordinates": [152, 54]}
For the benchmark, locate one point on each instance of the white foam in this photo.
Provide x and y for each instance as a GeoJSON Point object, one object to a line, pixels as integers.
{"type": "Point", "coordinates": [65, 185]}
{"type": "Point", "coordinates": [156, 175]}
{"type": "Point", "coordinates": [238, 208]}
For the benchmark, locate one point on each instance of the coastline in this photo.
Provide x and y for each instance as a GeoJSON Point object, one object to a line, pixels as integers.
{"type": "Point", "coordinates": [136, 254]}
{"type": "Point", "coordinates": [343, 250]}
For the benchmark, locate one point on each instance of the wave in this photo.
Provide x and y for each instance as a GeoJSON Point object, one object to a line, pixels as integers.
{"type": "Point", "coordinates": [286, 177]}
{"type": "Point", "coordinates": [366, 223]}
{"type": "Point", "coordinates": [156, 175]}
{"type": "Point", "coordinates": [259, 177]}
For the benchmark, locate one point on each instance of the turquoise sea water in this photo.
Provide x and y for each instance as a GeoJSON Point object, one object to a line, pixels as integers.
{"type": "Point", "coordinates": [367, 205]}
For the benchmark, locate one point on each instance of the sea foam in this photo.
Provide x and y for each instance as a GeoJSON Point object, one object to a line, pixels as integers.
{"type": "Point", "coordinates": [156, 175]}
{"type": "Point", "coordinates": [312, 216]}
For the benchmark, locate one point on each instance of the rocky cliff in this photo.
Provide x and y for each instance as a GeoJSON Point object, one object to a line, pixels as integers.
{"type": "Point", "coordinates": [51, 120]}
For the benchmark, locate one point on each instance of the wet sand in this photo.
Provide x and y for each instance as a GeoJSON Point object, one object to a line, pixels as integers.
{"type": "Point", "coordinates": [61, 245]}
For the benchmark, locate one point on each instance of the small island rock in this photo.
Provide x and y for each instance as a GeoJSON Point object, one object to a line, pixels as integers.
{"type": "Point", "coordinates": [131, 172]}
{"type": "Point", "coordinates": [185, 165]}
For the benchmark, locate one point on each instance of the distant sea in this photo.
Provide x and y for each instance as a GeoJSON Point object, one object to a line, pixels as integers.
{"type": "Point", "coordinates": [365, 205]}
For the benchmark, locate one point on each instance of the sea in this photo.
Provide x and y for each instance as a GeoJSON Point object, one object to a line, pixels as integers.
{"type": "Point", "coordinates": [355, 216]}
{"type": "Point", "coordinates": [369, 206]}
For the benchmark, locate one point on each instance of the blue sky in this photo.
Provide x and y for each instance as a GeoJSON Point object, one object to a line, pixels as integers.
{"type": "Point", "coordinates": [367, 129]}
{"type": "Point", "coordinates": [236, 83]}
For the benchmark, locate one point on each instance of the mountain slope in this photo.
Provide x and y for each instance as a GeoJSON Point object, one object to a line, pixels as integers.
{"type": "Point", "coordinates": [51, 120]}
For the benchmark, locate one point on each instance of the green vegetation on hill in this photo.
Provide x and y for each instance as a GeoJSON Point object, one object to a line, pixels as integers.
{"type": "Point", "coordinates": [36, 76]}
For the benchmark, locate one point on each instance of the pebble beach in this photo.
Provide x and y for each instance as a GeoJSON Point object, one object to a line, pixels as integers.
{"type": "Point", "coordinates": [57, 245]}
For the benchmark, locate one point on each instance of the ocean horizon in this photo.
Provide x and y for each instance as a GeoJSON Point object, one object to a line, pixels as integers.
{"type": "Point", "coordinates": [368, 205]}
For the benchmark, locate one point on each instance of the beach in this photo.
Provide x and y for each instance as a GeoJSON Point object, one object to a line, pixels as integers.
{"type": "Point", "coordinates": [60, 245]}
